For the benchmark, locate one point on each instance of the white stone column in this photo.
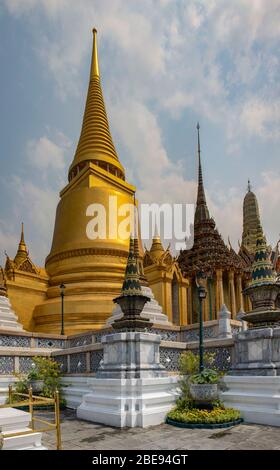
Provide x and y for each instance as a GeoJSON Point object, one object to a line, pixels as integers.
{"type": "Point", "coordinates": [224, 323]}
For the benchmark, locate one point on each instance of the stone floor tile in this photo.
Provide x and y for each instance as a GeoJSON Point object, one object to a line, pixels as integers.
{"type": "Point", "coordinates": [78, 435]}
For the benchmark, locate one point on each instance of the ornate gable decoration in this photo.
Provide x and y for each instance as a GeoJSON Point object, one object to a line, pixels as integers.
{"type": "Point", "coordinates": [28, 267]}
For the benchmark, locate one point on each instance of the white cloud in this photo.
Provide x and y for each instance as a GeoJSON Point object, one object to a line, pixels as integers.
{"type": "Point", "coordinates": [35, 205]}
{"type": "Point", "coordinates": [8, 240]}
{"type": "Point", "coordinates": [261, 118]}
{"type": "Point", "coordinates": [215, 58]}
{"type": "Point", "coordinates": [34, 201]}
{"type": "Point", "coordinates": [45, 154]}
{"type": "Point", "coordinates": [170, 51]}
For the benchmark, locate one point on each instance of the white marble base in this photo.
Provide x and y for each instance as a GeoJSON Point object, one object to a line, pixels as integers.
{"type": "Point", "coordinates": [132, 354]}
{"type": "Point", "coordinates": [8, 318]}
{"type": "Point", "coordinates": [257, 397]}
{"type": "Point", "coordinates": [152, 310]}
{"type": "Point", "coordinates": [129, 402]}
{"type": "Point", "coordinates": [14, 421]}
{"type": "Point", "coordinates": [75, 388]}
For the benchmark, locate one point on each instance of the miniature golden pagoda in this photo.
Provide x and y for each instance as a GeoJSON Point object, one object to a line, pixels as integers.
{"type": "Point", "coordinates": [167, 282]}
{"type": "Point", "coordinates": [26, 283]}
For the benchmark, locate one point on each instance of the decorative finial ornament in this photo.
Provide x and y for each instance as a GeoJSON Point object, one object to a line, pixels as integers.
{"type": "Point", "coordinates": [198, 140]}
{"type": "Point", "coordinates": [131, 300]}
{"type": "Point", "coordinates": [249, 186]}
{"type": "Point", "coordinates": [94, 64]}
{"type": "Point", "coordinates": [262, 269]}
{"type": "Point", "coordinates": [131, 284]}
{"type": "Point", "coordinates": [22, 252]}
{"type": "Point", "coordinates": [264, 290]}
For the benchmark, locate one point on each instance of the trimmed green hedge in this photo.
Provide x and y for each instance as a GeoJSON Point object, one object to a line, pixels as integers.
{"type": "Point", "coordinates": [197, 416]}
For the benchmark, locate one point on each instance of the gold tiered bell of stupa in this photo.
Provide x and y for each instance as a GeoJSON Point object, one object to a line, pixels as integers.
{"type": "Point", "coordinates": [92, 269]}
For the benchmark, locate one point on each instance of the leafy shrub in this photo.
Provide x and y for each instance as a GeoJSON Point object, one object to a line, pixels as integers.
{"type": "Point", "coordinates": [189, 362]}
{"type": "Point", "coordinates": [45, 369]}
{"type": "Point", "coordinates": [49, 371]}
{"type": "Point", "coordinates": [207, 376]}
{"type": "Point", "coordinates": [197, 416]}
{"type": "Point", "coordinates": [189, 371]}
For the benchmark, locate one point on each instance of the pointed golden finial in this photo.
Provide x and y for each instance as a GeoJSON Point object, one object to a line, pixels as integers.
{"type": "Point", "coordinates": [22, 252]}
{"type": "Point", "coordinates": [22, 244]}
{"type": "Point", "coordinates": [156, 249]}
{"type": "Point", "coordinates": [22, 234]}
{"type": "Point", "coordinates": [94, 60]}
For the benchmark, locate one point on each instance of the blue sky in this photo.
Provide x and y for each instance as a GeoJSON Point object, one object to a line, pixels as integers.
{"type": "Point", "coordinates": [165, 64]}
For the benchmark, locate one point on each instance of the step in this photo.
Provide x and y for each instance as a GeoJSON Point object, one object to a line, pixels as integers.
{"type": "Point", "coordinates": [11, 419]}
{"type": "Point", "coordinates": [31, 441]}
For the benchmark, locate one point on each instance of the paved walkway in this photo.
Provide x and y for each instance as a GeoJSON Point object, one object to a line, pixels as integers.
{"type": "Point", "coordinates": [83, 435]}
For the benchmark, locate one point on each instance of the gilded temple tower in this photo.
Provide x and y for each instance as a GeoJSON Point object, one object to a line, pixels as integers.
{"type": "Point", "coordinates": [91, 268]}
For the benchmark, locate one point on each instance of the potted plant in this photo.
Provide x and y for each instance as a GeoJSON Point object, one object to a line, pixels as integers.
{"type": "Point", "coordinates": [201, 387]}
{"type": "Point", "coordinates": [204, 386]}
{"type": "Point", "coordinates": [198, 406]}
{"type": "Point", "coordinates": [36, 379]}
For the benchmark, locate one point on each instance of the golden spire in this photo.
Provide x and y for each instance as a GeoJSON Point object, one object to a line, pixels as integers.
{"type": "Point", "coordinates": [95, 143]}
{"type": "Point", "coordinates": [94, 72]}
{"type": "Point", "coordinates": [157, 249]}
{"type": "Point", "coordinates": [22, 252]}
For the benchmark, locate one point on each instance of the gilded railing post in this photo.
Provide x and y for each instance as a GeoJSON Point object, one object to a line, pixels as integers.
{"type": "Point", "coordinates": [31, 406]}
{"type": "Point", "coordinates": [10, 393]}
{"type": "Point", "coordinates": [57, 420]}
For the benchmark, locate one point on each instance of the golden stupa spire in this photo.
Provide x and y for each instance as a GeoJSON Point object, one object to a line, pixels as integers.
{"type": "Point", "coordinates": [95, 143]}
{"type": "Point", "coordinates": [156, 249]}
{"type": "Point", "coordinates": [94, 71]}
{"type": "Point", "coordinates": [22, 252]}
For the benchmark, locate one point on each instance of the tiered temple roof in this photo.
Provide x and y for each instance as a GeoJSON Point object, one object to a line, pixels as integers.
{"type": "Point", "coordinates": [209, 252]}
{"type": "Point", "coordinates": [22, 260]}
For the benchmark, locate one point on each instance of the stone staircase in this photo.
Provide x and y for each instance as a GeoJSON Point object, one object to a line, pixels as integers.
{"type": "Point", "coordinates": [257, 397]}
{"type": "Point", "coordinates": [16, 421]}
{"type": "Point", "coordinates": [75, 388]}
{"type": "Point", "coordinates": [8, 318]}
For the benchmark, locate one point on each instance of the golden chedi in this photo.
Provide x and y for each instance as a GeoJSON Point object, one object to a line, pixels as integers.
{"type": "Point", "coordinates": [92, 269]}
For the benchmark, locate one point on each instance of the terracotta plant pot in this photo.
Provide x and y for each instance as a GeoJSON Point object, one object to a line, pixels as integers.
{"type": "Point", "coordinates": [204, 393]}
